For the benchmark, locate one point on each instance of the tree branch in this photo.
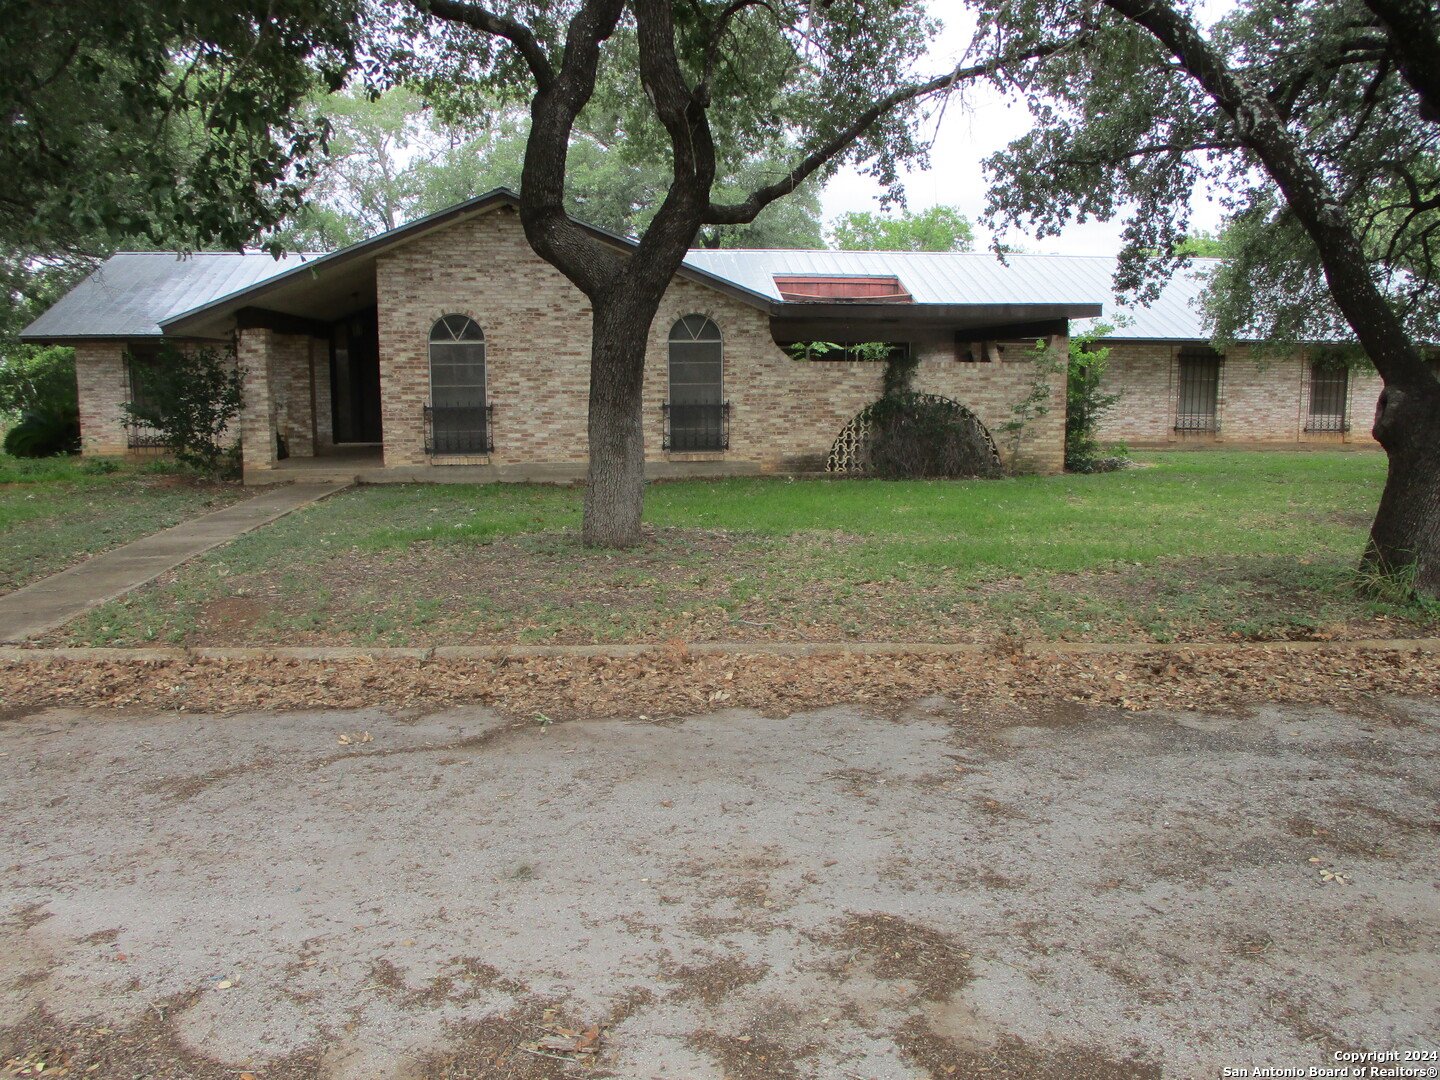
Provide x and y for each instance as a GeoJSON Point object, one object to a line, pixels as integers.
{"type": "Point", "coordinates": [712, 49]}
{"type": "Point", "coordinates": [743, 212]}
{"type": "Point", "coordinates": [1260, 128]}
{"type": "Point", "coordinates": [519, 35]}
{"type": "Point", "coordinates": [1411, 28]}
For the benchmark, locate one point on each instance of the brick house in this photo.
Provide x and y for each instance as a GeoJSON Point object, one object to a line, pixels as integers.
{"type": "Point", "coordinates": [446, 350]}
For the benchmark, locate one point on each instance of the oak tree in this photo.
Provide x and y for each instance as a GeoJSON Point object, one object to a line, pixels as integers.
{"type": "Point", "coordinates": [844, 79]}
{"type": "Point", "coordinates": [1320, 120]}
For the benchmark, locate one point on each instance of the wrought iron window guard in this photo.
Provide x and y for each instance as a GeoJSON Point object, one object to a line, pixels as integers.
{"type": "Point", "coordinates": [1327, 423]}
{"type": "Point", "coordinates": [141, 436]}
{"type": "Point", "coordinates": [1197, 422]}
{"type": "Point", "coordinates": [696, 428]}
{"type": "Point", "coordinates": [458, 429]}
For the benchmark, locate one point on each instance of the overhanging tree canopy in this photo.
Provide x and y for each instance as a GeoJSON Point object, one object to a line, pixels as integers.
{"type": "Point", "coordinates": [699, 77]}
{"type": "Point", "coordinates": [1314, 117]}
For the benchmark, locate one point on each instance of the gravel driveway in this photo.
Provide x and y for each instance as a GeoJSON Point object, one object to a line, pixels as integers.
{"type": "Point", "coordinates": [950, 891]}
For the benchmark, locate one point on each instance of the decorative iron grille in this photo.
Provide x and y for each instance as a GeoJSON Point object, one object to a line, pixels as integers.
{"type": "Point", "coordinates": [850, 452]}
{"type": "Point", "coordinates": [458, 429]}
{"type": "Point", "coordinates": [1329, 387]}
{"type": "Point", "coordinates": [1199, 394]}
{"type": "Point", "coordinates": [697, 428]}
{"type": "Point", "coordinates": [139, 435]}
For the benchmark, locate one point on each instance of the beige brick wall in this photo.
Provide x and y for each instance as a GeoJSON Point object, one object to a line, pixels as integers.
{"type": "Point", "coordinates": [279, 395]}
{"type": "Point", "coordinates": [103, 387]}
{"type": "Point", "coordinates": [784, 413]}
{"type": "Point", "coordinates": [1259, 401]}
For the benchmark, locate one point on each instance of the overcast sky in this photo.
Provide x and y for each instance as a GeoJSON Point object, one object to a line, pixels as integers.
{"type": "Point", "coordinates": [971, 130]}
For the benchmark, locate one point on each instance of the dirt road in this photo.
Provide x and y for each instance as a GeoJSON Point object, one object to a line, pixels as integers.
{"type": "Point", "coordinates": [951, 891]}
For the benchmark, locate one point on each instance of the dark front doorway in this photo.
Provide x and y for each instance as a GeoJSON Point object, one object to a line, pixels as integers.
{"type": "Point", "coordinates": [355, 378]}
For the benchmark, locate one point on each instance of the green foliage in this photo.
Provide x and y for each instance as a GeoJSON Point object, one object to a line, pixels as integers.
{"type": "Point", "coordinates": [190, 399]}
{"type": "Point", "coordinates": [1122, 129]}
{"type": "Point", "coordinates": [922, 436]}
{"type": "Point", "coordinates": [44, 434]}
{"type": "Point", "coordinates": [174, 120]}
{"type": "Point", "coordinates": [394, 157]}
{"type": "Point", "coordinates": [1203, 245]}
{"type": "Point", "coordinates": [37, 385]}
{"type": "Point", "coordinates": [940, 228]}
{"type": "Point", "coordinates": [36, 379]}
{"type": "Point", "coordinates": [1045, 363]}
{"type": "Point", "coordinates": [1085, 401]}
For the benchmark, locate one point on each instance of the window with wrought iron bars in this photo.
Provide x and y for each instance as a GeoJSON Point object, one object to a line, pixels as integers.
{"type": "Point", "coordinates": [1329, 389]}
{"type": "Point", "coordinates": [138, 434]}
{"type": "Point", "coordinates": [697, 416]}
{"type": "Point", "coordinates": [457, 420]}
{"type": "Point", "coordinates": [1196, 408]}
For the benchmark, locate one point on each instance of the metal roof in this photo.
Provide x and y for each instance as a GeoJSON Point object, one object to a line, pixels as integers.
{"type": "Point", "coordinates": [131, 293]}
{"type": "Point", "coordinates": [957, 278]}
{"type": "Point", "coordinates": [146, 294]}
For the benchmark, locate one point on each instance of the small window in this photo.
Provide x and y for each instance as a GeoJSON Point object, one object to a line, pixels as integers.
{"type": "Point", "coordinates": [140, 434]}
{"type": "Point", "coordinates": [458, 414]}
{"type": "Point", "coordinates": [1329, 389]}
{"type": "Point", "coordinates": [1199, 391]}
{"type": "Point", "coordinates": [696, 414]}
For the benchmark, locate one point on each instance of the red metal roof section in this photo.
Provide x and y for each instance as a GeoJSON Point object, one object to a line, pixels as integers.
{"type": "Point", "coordinates": [852, 288]}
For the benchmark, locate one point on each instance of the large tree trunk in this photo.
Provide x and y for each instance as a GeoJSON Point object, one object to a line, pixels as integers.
{"type": "Point", "coordinates": [1405, 536]}
{"type": "Point", "coordinates": [615, 483]}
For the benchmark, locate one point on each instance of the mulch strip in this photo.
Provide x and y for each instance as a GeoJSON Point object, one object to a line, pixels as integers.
{"type": "Point", "coordinates": [676, 680]}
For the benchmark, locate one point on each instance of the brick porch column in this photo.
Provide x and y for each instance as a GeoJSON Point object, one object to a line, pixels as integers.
{"type": "Point", "coordinates": [256, 352]}
{"type": "Point", "coordinates": [100, 378]}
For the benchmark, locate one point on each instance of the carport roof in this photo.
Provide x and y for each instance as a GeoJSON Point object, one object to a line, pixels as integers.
{"type": "Point", "coordinates": [132, 293]}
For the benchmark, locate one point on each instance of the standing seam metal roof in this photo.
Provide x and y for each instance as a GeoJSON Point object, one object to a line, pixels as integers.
{"type": "Point", "coordinates": [131, 293]}
{"type": "Point", "coordinates": [980, 278]}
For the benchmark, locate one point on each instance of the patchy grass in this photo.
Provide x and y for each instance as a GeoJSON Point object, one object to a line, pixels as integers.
{"type": "Point", "coordinates": [55, 512]}
{"type": "Point", "coordinates": [1212, 546]}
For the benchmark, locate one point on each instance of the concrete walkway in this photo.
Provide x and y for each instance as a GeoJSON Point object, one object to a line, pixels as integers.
{"type": "Point", "coordinates": [55, 600]}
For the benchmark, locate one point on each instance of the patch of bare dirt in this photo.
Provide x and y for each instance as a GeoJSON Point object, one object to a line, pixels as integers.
{"type": "Point", "coordinates": [1013, 1059]}
{"type": "Point", "coordinates": [894, 948]}
{"type": "Point", "coordinates": [712, 982]}
{"type": "Point", "coordinates": [43, 1046]}
{"type": "Point", "coordinates": [514, 1045]}
{"type": "Point", "coordinates": [752, 1057]}
{"type": "Point", "coordinates": [229, 616]}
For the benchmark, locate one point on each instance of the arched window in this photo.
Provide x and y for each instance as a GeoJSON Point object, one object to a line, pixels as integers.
{"type": "Point", "coordinates": [697, 411]}
{"type": "Point", "coordinates": [458, 414]}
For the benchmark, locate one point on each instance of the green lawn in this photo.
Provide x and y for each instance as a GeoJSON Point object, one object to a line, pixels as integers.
{"type": "Point", "coordinates": [55, 512]}
{"type": "Point", "coordinates": [1194, 546]}
{"type": "Point", "coordinates": [1191, 547]}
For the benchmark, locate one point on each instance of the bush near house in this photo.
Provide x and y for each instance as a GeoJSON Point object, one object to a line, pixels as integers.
{"type": "Point", "coordinates": [190, 398]}
{"type": "Point", "coordinates": [38, 394]}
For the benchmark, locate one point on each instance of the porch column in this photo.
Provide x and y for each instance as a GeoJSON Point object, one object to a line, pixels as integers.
{"type": "Point", "coordinates": [104, 388]}
{"type": "Point", "coordinates": [256, 352]}
{"type": "Point", "coordinates": [292, 393]}
{"type": "Point", "coordinates": [320, 388]}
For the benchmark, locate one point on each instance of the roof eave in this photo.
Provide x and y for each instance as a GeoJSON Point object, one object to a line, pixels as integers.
{"type": "Point", "coordinates": [410, 231]}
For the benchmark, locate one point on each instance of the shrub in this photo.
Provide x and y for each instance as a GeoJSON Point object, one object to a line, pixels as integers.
{"type": "Point", "coordinates": [1086, 403]}
{"type": "Point", "coordinates": [921, 436]}
{"type": "Point", "coordinates": [190, 400]}
{"type": "Point", "coordinates": [44, 434]}
{"type": "Point", "coordinates": [38, 386]}
{"type": "Point", "coordinates": [38, 381]}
